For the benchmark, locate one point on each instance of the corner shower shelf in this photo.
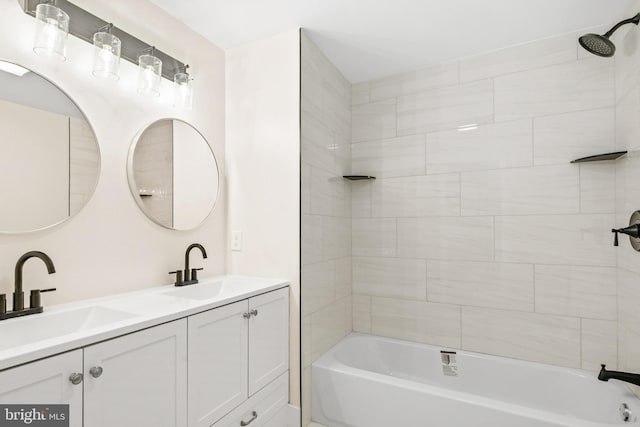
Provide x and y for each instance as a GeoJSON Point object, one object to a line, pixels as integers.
{"type": "Point", "coordinates": [358, 177]}
{"type": "Point", "coordinates": [600, 157]}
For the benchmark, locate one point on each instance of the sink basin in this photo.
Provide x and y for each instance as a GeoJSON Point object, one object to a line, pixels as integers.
{"type": "Point", "coordinates": [37, 327]}
{"type": "Point", "coordinates": [199, 291]}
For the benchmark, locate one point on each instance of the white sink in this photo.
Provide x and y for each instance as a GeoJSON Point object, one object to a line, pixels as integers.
{"type": "Point", "coordinates": [37, 327]}
{"type": "Point", "coordinates": [199, 291]}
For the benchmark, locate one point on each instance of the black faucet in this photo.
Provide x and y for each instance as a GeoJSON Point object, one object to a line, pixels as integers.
{"type": "Point", "coordinates": [605, 375]}
{"type": "Point", "coordinates": [18, 293]}
{"type": "Point", "coordinates": [190, 275]}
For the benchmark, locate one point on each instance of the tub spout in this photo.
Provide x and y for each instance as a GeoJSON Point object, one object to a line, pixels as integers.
{"type": "Point", "coordinates": [605, 375]}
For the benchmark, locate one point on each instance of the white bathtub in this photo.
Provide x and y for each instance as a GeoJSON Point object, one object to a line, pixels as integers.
{"type": "Point", "coordinates": [370, 381]}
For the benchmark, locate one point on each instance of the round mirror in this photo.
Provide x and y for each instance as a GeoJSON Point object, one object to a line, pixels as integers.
{"type": "Point", "coordinates": [49, 156]}
{"type": "Point", "coordinates": [173, 174]}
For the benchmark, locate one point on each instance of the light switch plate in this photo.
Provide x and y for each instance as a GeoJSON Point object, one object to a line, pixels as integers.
{"type": "Point", "coordinates": [236, 241]}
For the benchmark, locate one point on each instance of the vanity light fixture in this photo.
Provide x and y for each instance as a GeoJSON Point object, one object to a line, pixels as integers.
{"type": "Point", "coordinates": [183, 90]}
{"type": "Point", "coordinates": [52, 29]}
{"type": "Point", "coordinates": [149, 73]}
{"type": "Point", "coordinates": [106, 57]}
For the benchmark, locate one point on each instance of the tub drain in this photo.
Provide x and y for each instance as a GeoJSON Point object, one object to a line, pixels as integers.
{"type": "Point", "coordinates": [625, 412]}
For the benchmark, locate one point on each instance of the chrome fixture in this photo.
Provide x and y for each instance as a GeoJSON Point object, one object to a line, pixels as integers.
{"type": "Point", "coordinates": [183, 90]}
{"type": "Point", "coordinates": [96, 371]}
{"type": "Point", "coordinates": [52, 30]}
{"type": "Point", "coordinates": [633, 231]}
{"type": "Point", "coordinates": [600, 45]}
{"type": "Point", "coordinates": [18, 293]}
{"type": "Point", "coordinates": [76, 378]}
{"type": "Point", "coordinates": [189, 277]}
{"type": "Point", "coordinates": [149, 73]}
{"type": "Point", "coordinates": [253, 313]}
{"type": "Point", "coordinates": [628, 377]}
{"type": "Point", "coordinates": [83, 24]}
{"type": "Point", "coordinates": [254, 416]}
{"type": "Point", "coordinates": [449, 364]}
{"type": "Point", "coordinates": [625, 412]}
{"type": "Point", "coordinates": [106, 56]}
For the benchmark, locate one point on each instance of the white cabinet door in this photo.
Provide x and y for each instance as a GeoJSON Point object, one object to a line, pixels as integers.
{"type": "Point", "coordinates": [46, 382]}
{"type": "Point", "coordinates": [143, 381]}
{"type": "Point", "coordinates": [268, 338]}
{"type": "Point", "coordinates": [218, 347]}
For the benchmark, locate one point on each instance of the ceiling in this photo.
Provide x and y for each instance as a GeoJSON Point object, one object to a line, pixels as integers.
{"type": "Point", "coordinates": [368, 39]}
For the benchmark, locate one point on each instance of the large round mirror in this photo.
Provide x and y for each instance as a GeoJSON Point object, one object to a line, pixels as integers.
{"type": "Point", "coordinates": [49, 156]}
{"type": "Point", "coordinates": [173, 174]}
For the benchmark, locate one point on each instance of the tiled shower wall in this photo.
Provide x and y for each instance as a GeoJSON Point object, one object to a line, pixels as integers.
{"type": "Point", "coordinates": [627, 63]}
{"type": "Point", "coordinates": [478, 233]}
{"type": "Point", "coordinates": [326, 210]}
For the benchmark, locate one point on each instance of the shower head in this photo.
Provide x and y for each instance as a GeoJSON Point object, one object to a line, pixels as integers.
{"type": "Point", "coordinates": [600, 44]}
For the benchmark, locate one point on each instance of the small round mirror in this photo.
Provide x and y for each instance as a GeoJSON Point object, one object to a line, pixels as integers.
{"type": "Point", "coordinates": [173, 174]}
{"type": "Point", "coordinates": [49, 156]}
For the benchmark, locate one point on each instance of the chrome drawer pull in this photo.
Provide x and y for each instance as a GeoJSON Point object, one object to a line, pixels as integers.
{"type": "Point", "coordinates": [253, 418]}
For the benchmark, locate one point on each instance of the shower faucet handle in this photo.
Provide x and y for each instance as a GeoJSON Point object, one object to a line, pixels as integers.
{"type": "Point", "coordinates": [631, 231]}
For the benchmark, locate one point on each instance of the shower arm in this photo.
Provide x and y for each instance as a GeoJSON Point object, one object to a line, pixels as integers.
{"type": "Point", "coordinates": [634, 20]}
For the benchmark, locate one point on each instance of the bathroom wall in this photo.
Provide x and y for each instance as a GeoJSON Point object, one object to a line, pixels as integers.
{"type": "Point", "coordinates": [110, 246]}
{"type": "Point", "coordinates": [627, 64]}
{"type": "Point", "coordinates": [263, 159]}
{"type": "Point", "coordinates": [478, 233]}
{"type": "Point", "coordinates": [325, 123]}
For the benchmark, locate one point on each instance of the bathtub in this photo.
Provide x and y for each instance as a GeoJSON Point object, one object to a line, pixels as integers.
{"type": "Point", "coordinates": [370, 381]}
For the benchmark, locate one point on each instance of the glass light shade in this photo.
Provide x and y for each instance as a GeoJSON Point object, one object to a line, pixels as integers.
{"type": "Point", "coordinates": [106, 56]}
{"type": "Point", "coordinates": [183, 91]}
{"type": "Point", "coordinates": [149, 75]}
{"type": "Point", "coordinates": [52, 29]}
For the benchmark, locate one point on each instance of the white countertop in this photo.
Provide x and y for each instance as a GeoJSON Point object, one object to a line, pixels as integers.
{"type": "Point", "coordinates": [69, 326]}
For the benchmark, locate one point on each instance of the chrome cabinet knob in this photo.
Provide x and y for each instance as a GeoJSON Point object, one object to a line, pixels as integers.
{"type": "Point", "coordinates": [254, 416]}
{"type": "Point", "coordinates": [254, 312]}
{"type": "Point", "coordinates": [76, 378]}
{"type": "Point", "coordinates": [95, 371]}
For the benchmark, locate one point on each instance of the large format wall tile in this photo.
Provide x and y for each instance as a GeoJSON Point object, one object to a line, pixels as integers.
{"type": "Point", "coordinates": [490, 146]}
{"type": "Point", "coordinates": [390, 277]}
{"type": "Point", "coordinates": [360, 93]}
{"type": "Point", "coordinates": [539, 53]}
{"type": "Point", "coordinates": [329, 194]}
{"type": "Point", "coordinates": [599, 344]}
{"type": "Point", "coordinates": [373, 237]}
{"type": "Point", "coordinates": [482, 284]}
{"type": "Point", "coordinates": [362, 313]}
{"type": "Point", "coordinates": [361, 199]}
{"type": "Point", "coordinates": [628, 321]}
{"type": "Point", "coordinates": [555, 239]}
{"type": "Point", "coordinates": [317, 142]}
{"type": "Point", "coordinates": [558, 139]}
{"type": "Point", "coordinates": [576, 291]}
{"type": "Point", "coordinates": [432, 195]}
{"type": "Point", "coordinates": [468, 239]}
{"type": "Point", "coordinates": [529, 336]}
{"type": "Point", "coordinates": [318, 286]}
{"type": "Point", "coordinates": [446, 108]}
{"type": "Point", "coordinates": [403, 156]}
{"type": "Point", "coordinates": [574, 86]}
{"type": "Point", "coordinates": [522, 191]}
{"type": "Point", "coordinates": [419, 321]}
{"type": "Point", "coordinates": [627, 123]}
{"type": "Point", "coordinates": [328, 326]}
{"type": "Point", "coordinates": [415, 81]}
{"type": "Point", "coordinates": [597, 188]}
{"type": "Point", "coordinates": [376, 120]}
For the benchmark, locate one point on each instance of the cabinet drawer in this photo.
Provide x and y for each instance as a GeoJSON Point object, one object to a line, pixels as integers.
{"type": "Point", "coordinates": [261, 407]}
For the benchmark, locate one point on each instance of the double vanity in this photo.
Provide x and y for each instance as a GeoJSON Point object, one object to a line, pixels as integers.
{"type": "Point", "coordinates": [210, 354]}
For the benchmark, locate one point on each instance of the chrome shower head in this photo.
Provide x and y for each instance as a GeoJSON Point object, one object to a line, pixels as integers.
{"type": "Point", "coordinates": [600, 44]}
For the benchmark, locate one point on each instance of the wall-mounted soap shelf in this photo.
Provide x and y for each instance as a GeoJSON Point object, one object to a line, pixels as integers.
{"type": "Point", "coordinates": [600, 157]}
{"type": "Point", "coordinates": [358, 177]}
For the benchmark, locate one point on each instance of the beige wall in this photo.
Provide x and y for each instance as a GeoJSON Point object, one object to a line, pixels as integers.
{"type": "Point", "coordinates": [263, 167]}
{"type": "Point", "coordinates": [110, 246]}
